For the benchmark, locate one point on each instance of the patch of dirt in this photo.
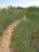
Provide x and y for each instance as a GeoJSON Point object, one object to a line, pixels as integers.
{"type": "Point", "coordinates": [26, 19]}
{"type": "Point", "coordinates": [5, 39]}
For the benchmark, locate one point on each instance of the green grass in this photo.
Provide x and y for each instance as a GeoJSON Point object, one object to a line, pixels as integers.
{"type": "Point", "coordinates": [8, 16]}
{"type": "Point", "coordinates": [25, 38]}
{"type": "Point", "coordinates": [33, 14]}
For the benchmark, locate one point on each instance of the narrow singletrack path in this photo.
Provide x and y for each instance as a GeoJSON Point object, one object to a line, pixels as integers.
{"type": "Point", "coordinates": [5, 42]}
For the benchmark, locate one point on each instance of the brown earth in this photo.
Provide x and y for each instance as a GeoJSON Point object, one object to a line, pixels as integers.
{"type": "Point", "coordinates": [5, 39]}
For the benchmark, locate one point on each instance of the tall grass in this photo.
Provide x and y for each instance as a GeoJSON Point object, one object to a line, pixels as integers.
{"type": "Point", "coordinates": [8, 16]}
{"type": "Point", "coordinates": [25, 38]}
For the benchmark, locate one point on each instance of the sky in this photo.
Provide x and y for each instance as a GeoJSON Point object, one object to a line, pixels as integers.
{"type": "Point", "coordinates": [22, 3]}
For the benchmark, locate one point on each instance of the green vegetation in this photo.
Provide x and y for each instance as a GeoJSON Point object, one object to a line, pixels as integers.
{"type": "Point", "coordinates": [33, 14]}
{"type": "Point", "coordinates": [8, 16]}
{"type": "Point", "coordinates": [25, 37]}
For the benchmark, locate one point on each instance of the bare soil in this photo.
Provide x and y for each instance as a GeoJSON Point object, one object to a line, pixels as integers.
{"type": "Point", "coordinates": [5, 39]}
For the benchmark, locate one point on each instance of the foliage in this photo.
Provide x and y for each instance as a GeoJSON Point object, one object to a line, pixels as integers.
{"type": "Point", "coordinates": [25, 37]}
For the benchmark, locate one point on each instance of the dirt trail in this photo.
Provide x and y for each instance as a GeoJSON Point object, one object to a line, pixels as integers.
{"type": "Point", "coordinates": [26, 19]}
{"type": "Point", "coordinates": [5, 43]}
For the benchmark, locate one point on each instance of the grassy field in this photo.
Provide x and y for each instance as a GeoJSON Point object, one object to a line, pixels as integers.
{"type": "Point", "coordinates": [25, 37]}
{"type": "Point", "coordinates": [8, 16]}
